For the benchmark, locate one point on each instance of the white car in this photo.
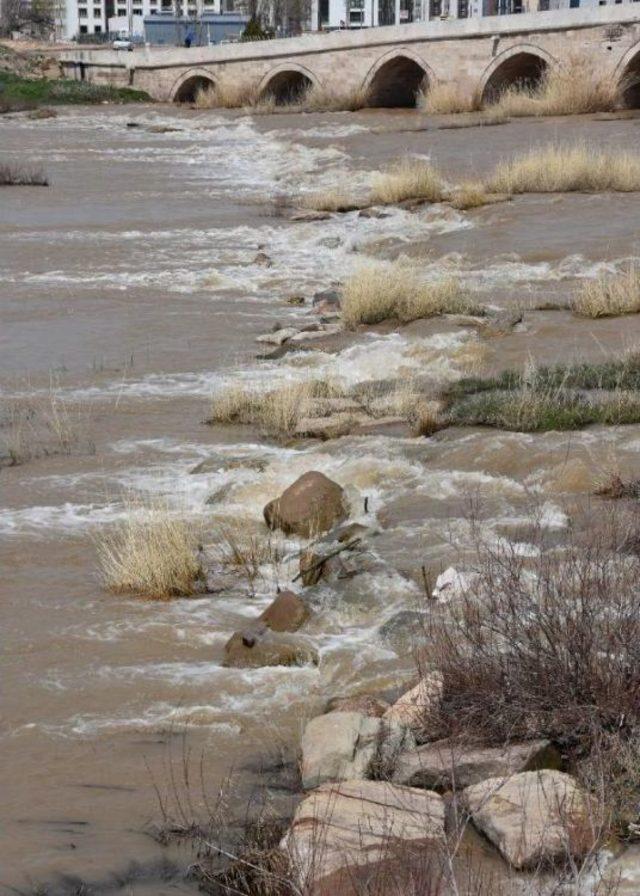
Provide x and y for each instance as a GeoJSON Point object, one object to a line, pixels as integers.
{"type": "Point", "coordinates": [122, 43]}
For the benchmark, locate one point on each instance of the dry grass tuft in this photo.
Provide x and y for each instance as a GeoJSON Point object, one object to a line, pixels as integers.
{"type": "Point", "coordinates": [573, 89]}
{"type": "Point", "coordinates": [407, 179]}
{"type": "Point", "coordinates": [327, 99]}
{"type": "Point", "coordinates": [470, 195]}
{"type": "Point", "coordinates": [226, 93]}
{"type": "Point", "coordinates": [18, 175]}
{"type": "Point", "coordinates": [609, 296]}
{"type": "Point", "coordinates": [336, 199]}
{"type": "Point", "coordinates": [152, 553]}
{"type": "Point", "coordinates": [445, 99]}
{"type": "Point", "coordinates": [377, 292]}
{"type": "Point", "coordinates": [276, 411]}
{"type": "Point", "coordinates": [558, 168]}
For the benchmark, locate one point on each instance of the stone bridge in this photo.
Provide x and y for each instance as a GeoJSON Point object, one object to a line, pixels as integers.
{"type": "Point", "coordinates": [480, 55]}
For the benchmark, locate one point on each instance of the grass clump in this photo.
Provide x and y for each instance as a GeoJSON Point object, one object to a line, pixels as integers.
{"type": "Point", "coordinates": [377, 292]}
{"type": "Point", "coordinates": [327, 99]}
{"type": "Point", "coordinates": [152, 553]}
{"type": "Point", "coordinates": [572, 89]}
{"type": "Point", "coordinates": [445, 99]}
{"type": "Point", "coordinates": [407, 179]}
{"type": "Point", "coordinates": [336, 199]}
{"type": "Point", "coordinates": [609, 296]}
{"type": "Point", "coordinates": [276, 411]}
{"type": "Point", "coordinates": [469, 196]}
{"type": "Point", "coordinates": [31, 93]}
{"type": "Point", "coordinates": [550, 398]}
{"type": "Point", "coordinates": [18, 175]}
{"type": "Point", "coordinates": [558, 168]}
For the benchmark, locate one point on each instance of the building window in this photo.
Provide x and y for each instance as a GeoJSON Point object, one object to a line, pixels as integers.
{"type": "Point", "coordinates": [435, 9]}
{"type": "Point", "coordinates": [137, 12]}
{"type": "Point", "coordinates": [83, 29]}
{"type": "Point", "coordinates": [97, 13]}
{"type": "Point", "coordinates": [82, 13]}
{"type": "Point", "coordinates": [122, 12]}
{"type": "Point", "coordinates": [97, 29]}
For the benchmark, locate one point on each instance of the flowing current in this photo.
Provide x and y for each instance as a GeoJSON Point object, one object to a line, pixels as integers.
{"type": "Point", "coordinates": [132, 288]}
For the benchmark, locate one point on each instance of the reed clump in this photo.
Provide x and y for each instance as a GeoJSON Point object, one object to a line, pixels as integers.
{"type": "Point", "coordinates": [572, 89]}
{"type": "Point", "coordinates": [564, 168]}
{"type": "Point", "coordinates": [609, 296]}
{"type": "Point", "coordinates": [226, 93]}
{"type": "Point", "coordinates": [153, 553]}
{"type": "Point", "coordinates": [377, 292]}
{"type": "Point", "coordinates": [331, 99]}
{"type": "Point", "coordinates": [445, 98]}
{"type": "Point", "coordinates": [14, 174]}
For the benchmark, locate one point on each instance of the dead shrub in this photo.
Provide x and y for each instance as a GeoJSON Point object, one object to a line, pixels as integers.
{"type": "Point", "coordinates": [545, 645]}
{"type": "Point", "coordinates": [226, 93]}
{"type": "Point", "coordinates": [445, 99]}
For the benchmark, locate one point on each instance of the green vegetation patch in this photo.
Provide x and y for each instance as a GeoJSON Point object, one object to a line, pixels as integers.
{"type": "Point", "coordinates": [25, 93]}
{"type": "Point", "coordinates": [561, 397]}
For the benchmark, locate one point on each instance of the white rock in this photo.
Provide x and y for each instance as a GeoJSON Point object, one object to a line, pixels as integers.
{"type": "Point", "coordinates": [340, 830]}
{"type": "Point", "coordinates": [452, 584]}
{"type": "Point", "coordinates": [415, 707]}
{"type": "Point", "coordinates": [342, 745]}
{"type": "Point", "coordinates": [279, 337]}
{"type": "Point", "coordinates": [532, 817]}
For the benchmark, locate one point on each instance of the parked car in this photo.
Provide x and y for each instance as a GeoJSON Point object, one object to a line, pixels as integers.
{"type": "Point", "coordinates": [122, 43]}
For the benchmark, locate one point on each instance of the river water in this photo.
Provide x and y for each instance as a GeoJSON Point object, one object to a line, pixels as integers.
{"type": "Point", "coordinates": [129, 288]}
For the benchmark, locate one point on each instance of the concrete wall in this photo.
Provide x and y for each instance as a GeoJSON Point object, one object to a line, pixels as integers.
{"type": "Point", "coordinates": [467, 51]}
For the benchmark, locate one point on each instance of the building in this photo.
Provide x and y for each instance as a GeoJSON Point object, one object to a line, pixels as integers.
{"type": "Point", "coordinates": [210, 28]}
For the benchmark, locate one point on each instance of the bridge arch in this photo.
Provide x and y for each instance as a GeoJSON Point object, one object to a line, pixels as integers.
{"type": "Point", "coordinates": [395, 79]}
{"type": "Point", "coordinates": [186, 87]}
{"type": "Point", "coordinates": [520, 66]}
{"type": "Point", "coordinates": [287, 83]}
{"type": "Point", "coordinates": [627, 76]}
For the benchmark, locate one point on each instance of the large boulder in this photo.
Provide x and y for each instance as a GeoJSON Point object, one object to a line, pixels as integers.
{"type": "Point", "coordinates": [534, 818]}
{"type": "Point", "coordinates": [341, 746]}
{"type": "Point", "coordinates": [287, 613]}
{"type": "Point", "coordinates": [259, 646]}
{"type": "Point", "coordinates": [312, 504]}
{"type": "Point", "coordinates": [345, 836]}
{"type": "Point", "coordinates": [417, 707]}
{"type": "Point", "coordinates": [447, 764]}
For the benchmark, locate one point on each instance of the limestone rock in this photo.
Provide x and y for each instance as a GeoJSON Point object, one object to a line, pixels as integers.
{"type": "Point", "coordinates": [313, 503]}
{"type": "Point", "coordinates": [343, 745]}
{"type": "Point", "coordinates": [259, 646]}
{"type": "Point", "coordinates": [331, 427]}
{"type": "Point", "coordinates": [447, 765]}
{"type": "Point", "coordinates": [453, 584]}
{"type": "Point", "coordinates": [341, 833]}
{"type": "Point", "coordinates": [327, 300]}
{"type": "Point", "coordinates": [287, 613]}
{"type": "Point", "coordinates": [414, 708]}
{"type": "Point", "coordinates": [532, 817]}
{"type": "Point", "coordinates": [263, 260]}
{"type": "Point", "coordinates": [365, 704]}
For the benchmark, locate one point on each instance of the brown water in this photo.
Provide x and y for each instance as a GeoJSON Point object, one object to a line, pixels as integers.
{"type": "Point", "coordinates": [130, 285]}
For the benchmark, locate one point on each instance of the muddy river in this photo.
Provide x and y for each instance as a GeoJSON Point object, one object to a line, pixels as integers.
{"type": "Point", "coordinates": [131, 289]}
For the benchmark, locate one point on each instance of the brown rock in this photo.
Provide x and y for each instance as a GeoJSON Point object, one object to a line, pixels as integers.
{"type": "Point", "coordinates": [259, 646]}
{"type": "Point", "coordinates": [312, 504]}
{"type": "Point", "coordinates": [365, 704]}
{"type": "Point", "coordinates": [287, 613]}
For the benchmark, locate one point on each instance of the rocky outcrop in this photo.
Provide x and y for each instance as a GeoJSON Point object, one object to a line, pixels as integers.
{"type": "Point", "coordinates": [342, 834]}
{"type": "Point", "coordinates": [344, 745]}
{"type": "Point", "coordinates": [287, 613]}
{"type": "Point", "coordinates": [312, 504]}
{"type": "Point", "coordinates": [534, 818]}
{"type": "Point", "coordinates": [447, 764]}
{"type": "Point", "coordinates": [259, 646]}
{"type": "Point", "coordinates": [416, 708]}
